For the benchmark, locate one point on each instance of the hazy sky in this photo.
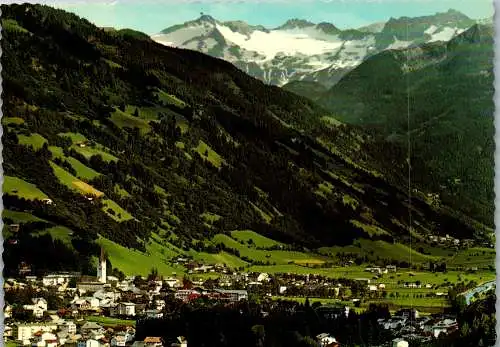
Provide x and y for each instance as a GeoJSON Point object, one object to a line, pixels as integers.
{"type": "Point", "coordinates": [152, 16]}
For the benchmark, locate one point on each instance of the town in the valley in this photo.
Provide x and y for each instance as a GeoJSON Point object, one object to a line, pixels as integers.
{"type": "Point", "coordinates": [68, 309]}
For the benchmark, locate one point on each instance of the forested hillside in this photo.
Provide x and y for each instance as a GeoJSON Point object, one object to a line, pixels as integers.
{"type": "Point", "coordinates": [161, 150]}
{"type": "Point", "coordinates": [443, 94]}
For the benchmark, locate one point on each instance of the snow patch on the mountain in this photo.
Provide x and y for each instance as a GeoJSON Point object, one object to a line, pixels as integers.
{"type": "Point", "coordinates": [445, 34]}
{"type": "Point", "coordinates": [432, 29]}
{"type": "Point", "coordinates": [274, 42]}
{"type": "Point", "coordinates": [353, 52]}
{"type": "Point", "coordinates": [310, 32]}
{"type": "Point", "coordinates": [397, 44]}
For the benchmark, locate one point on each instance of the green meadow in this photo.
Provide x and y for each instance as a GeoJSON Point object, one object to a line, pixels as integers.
{"type": "Point", "coordinates": [17, 186]}
{"type": "Point", "coordinates": [133, 262]}
{"type": "Point", "coordinates": [246, 236]}
{"type": "Point", "coordinates": [36, 141]}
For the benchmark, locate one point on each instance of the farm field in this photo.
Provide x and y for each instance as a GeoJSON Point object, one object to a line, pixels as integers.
{"type": "Point", "coordinates": [133, 262]}
{"type": "Point", "coordinates": [36, 141]}
{"type": "Point", "coordinates": [169, 99]}
{"type": "Point", "coordinates": [20, 217]}
{"type": "Point", "coordinates": [12, 120]}
{"type": "Point", "coordinates": [109, 321]}
{"type": "Point", "coordinates": [244, 236]}
{"type": "Point", "coordinates": [82, 171]}
{"type": "Point", "coordinates": [123, 120]}
{"type": "Point", "coordinates": [424, 306]}
{"type": "Point", "coordinates": [207, 153]}
{"type": "Point", "coordinates": [117, 212]}
{"type": "Point", "coordinates": [17, 186]}
{"type": "Point", "coordinates": [74, 183]}
{"type": "Point", "coordinates": [479, 257]}
{"type": "Point", "coordinates": [230, 260]}
{"type": "Point", "coordinates": [88, 150]}
{"type": "Point", "coordinates": [75, 137]}
{"type": "Point", "coordinates": [278, 256]}
{"type": "Point", "coordinates": [382, 249]}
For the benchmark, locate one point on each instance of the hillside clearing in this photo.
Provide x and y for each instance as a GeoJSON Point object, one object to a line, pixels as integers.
{"type": "Point", "coordinates": [115, 211]}
{"type": "Point", "coordinates": [133, 262]}
{"type": "Point", "coordinates": [207, 153]}
{"type": "Point", "coordinates": [74, 183]}
{"type": "Point", "coordinates": [36, 141]}
{"type": "Point", "coordinates": [244, 236]}
{"type": "Point", "coordinates": [17, 186]}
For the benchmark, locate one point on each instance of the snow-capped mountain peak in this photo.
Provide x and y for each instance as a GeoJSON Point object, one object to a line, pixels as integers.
{"type": "Point", "coordinates": [302, 50]}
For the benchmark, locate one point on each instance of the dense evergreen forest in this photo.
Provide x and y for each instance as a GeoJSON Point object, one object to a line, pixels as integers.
{"type": "Point", "coordinates": [183, 136]}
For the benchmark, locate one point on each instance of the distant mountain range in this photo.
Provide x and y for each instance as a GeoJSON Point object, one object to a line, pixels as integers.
{"type": "Point", "coordinates": [300, 50]}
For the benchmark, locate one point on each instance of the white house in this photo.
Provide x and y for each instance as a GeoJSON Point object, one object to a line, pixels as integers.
{"type": "Point", "coordinates": [7, 332]}
{"type": "Point", "coordinates": [39, 307]}
{"type": "Point", "coordinates": [88, 343]}
{"type": "Point", "coordinates": [234, 295]}
{"type": "Point", "coordinates": [126, 309]}
{"type": "Point", "coordinates": [325, 340]}
{"type": "Point", "coordinates": [85, 303]}
{"type": "Point", "coordinates": [91, 328]}
{"type": "Point", "coordinates": [159, 304]}
{"type": "Point", "coordinates": [399, 343]}
{"type": "Point", "coordinates": [7, 313]}
{"type": "Point", "coordinates": [68, 326]}
{"type": "Point", "coordinates": [46, 340]}
{"type": "Point", "coordinates": [153, 314]}
{"type": "Point", "coordinates": [173, 282]}
{"type": "Point", "coordinates": [106, 294]}
{"type": "Point", "coordinates": [263, 277]}
{"type": "Point", "coordinates": [182, 342]}
{"type": "Point", "coordinates": [24, 332]}
{"type": "Point", "coordinates": [119, 341]}
{"type": "Point", "coordinates": [53, 280]}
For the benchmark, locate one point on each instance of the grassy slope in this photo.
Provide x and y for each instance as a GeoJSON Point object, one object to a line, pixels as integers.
{"type": "Point", "coordinates": [280, 257]}
{"type": "Point", "coordinates": [382, 249]}
{"type": "Point", "coordinates": [133, 262]}
{"type": "Point", "coordinates": [21, 188]}
{"type": "Point", "coordinates": [74, 183]}
{"type": "Point", "coordinates": [82, 171]}
{"type": "Point", "coordinates": [34, 140]}
{"type": "Point", "coordinates": [20, 217]}
{"type": "Point", "coordinates": [258, 240]}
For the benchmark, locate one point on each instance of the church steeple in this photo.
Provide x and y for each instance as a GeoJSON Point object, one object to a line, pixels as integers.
{"type": "Point", "coordinates": [101, 267]}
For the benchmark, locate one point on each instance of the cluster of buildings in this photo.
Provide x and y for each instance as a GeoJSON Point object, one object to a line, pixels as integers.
{"type": "Point", "coordinates": [107, 296]}
{"type": "Point", "coordinates": [56, 332]}
{"type": "Point", "coordinates": [449, 241]}
{"type": "Point", "coordinates": [409, 326]}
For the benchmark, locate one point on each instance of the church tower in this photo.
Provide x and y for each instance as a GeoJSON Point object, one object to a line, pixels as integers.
{"type": "Point", "coordinates": [101, 267]}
